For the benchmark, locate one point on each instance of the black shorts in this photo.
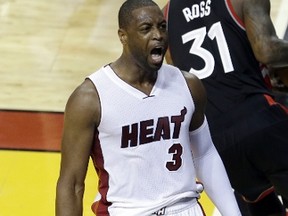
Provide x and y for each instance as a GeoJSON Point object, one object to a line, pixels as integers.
{"type": "Point", "coordinates": [252, 141]}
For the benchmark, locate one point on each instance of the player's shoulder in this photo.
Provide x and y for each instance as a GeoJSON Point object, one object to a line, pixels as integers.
{"type": "Point", "coordinates": [84, 93]}
{"type": "Point", "coordinates": [191, 78]}
{"type": "Point", "coordinates": [195, 85]}
{"type": "Point", "coordinates": [85, 96]}
{"type": "Point", "coordinates": [84, 103]}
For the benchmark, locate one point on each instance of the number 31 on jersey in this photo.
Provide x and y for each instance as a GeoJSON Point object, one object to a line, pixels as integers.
{"type": "Point", "coordinates": [198, 35]}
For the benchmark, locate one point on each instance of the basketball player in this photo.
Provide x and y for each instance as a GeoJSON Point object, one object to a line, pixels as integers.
{"type": "Point", "coordinates": [227, 43]}
{"type": "Point", "coordinates": [141, 121]}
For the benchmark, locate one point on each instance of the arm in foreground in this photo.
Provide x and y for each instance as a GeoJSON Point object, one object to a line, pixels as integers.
{"type": "Point", "coordinates": [208, 164]}
{"type": "Point", "coordinates": [79, 125]}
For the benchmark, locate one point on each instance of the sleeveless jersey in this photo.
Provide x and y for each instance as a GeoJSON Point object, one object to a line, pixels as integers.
{"type": "Point", "coordinates": [142, 151]}
{"type": "Point", "coordinates": [208, 39]}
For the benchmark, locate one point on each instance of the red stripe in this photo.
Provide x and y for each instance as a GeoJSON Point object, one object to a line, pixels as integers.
{"type": "Point", "coordinates": [261, 196]}
{"type": "Point", "coordinates": [272, 102]}
{"type": "Point", "coordinates": [100, 208]}
{"type": "Point", "coordinates": [234, 14]}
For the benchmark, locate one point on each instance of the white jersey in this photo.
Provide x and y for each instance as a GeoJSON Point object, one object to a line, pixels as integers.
{"type": "Point", "coordinates": [142, 151]}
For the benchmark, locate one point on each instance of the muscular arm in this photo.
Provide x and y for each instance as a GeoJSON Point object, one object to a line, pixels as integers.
{"type": "Point", "coordinates": [208, 164]}
{"type": "Point", "coordinates": [81, 116]}
{"type": "Point", "coordinates": [199, 96]}
{"type": "Point", "coordinates": [266, 45]}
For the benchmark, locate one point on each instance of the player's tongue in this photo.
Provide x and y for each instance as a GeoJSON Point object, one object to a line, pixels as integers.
{"type": "Point", "coordinates": [156, 56]}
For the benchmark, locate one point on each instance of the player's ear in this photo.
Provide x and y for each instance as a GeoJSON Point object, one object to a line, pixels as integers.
{"type": "Point", "coordinates": [122, 36]}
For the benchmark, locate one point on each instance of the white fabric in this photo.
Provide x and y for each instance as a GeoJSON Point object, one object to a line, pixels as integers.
{"type": "Point", "coordinates": [190, 208]}
{"type": "Point", "coordinates": [211, 172]}
{"type": "Point", "coordinates": [140, 180]}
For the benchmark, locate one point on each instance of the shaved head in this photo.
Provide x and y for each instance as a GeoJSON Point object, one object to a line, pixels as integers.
{"type": "Point", "coordinates": [125, 12]}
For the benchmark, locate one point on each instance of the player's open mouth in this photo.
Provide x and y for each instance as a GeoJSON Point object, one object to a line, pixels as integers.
{"type": "Point", "coordinates": [157, 55]}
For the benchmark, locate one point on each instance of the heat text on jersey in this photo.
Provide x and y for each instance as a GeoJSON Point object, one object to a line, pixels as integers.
{"type": "Point", "coordinates": [149, 131]}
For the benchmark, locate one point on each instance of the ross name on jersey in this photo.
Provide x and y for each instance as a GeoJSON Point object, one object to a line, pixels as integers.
{"type": "Point", "coordinates": [149, 131]}
{"type": "Point", "coordinates": [197, 10]}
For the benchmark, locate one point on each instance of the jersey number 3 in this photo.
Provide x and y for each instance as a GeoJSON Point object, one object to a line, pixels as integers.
{"type": "Point", "coordinates": [176, 150]}
{"type": "Point", "coordinates": [198, 35]}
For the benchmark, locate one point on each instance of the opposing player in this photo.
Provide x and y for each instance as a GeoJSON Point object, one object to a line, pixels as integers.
{"type": "Point", "coordinates": [227, 43]}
